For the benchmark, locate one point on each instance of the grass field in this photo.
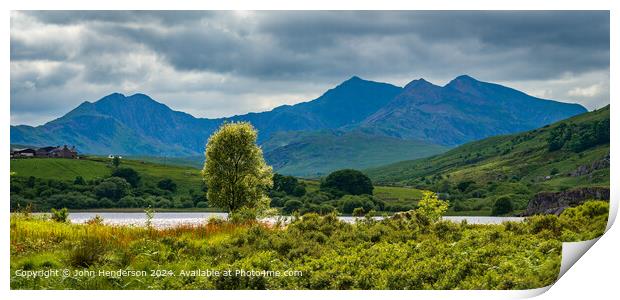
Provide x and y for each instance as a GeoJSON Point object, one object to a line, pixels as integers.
{"type": "Point", "coordinates": [96, 167]}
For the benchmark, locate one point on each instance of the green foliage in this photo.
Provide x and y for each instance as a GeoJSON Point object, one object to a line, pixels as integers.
{"type": "Point", "coordinates": [79, 180]}
{"type": "Point", "coordinates": [288, 185]}
{"type": "Point", "coordinates": [349, 203]}
{"type": "Point", "coordinates": [579, 137]}
{"type": "Point", "coordinates": [60, 215]}
{"type": "Point", "coordinates": [150, 214]}
{"type": "Point", "coordinates": [167, 184]}
{"type": "Point", "coordinates": [112, 188]}
{"type": "Point", "coordinates": [431, 207]}
{"type": "Point", "coordinates": [87, 252]}
{"type": "Point", "coordinates": [234, 170]}
{"type": "Point", "coordinates": [584, 222]}
{"type": "Point", "coordinates": [292, 205]}
{"type": "Point", "coordinates": [358, 212]}
{"type": "Point", "coordinates": [129, 174]}
{"type": "Point", "coordinates": [116, 161]}
{"type": "Point", "coordinates": [502, 206]}
{"type": "Point", "coordinates": [348, 181]}
{"type": "Point", "coordinates": [404, 252]}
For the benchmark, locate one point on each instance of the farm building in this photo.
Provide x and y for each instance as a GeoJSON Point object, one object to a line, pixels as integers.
{"type": "Point", "coordinates": [50, 151]}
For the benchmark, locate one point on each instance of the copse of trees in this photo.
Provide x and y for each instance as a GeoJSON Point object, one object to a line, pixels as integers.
{"type": "Point", "coordinates": [348, 181]}
{"type": "Point", "coordinates": [129, 174]}
{"type": "Point", "coordinates": [578, 137]}
{"type": "Point", "coordinates": [288, 185]}
{"type": "Point", "coordinates": [235, 171]}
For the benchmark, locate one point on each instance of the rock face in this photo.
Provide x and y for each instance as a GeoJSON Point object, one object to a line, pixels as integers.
{"type": "Point", "coordinates": [588, 169]}
{"type": "Point", "coordinates": [556, 202]}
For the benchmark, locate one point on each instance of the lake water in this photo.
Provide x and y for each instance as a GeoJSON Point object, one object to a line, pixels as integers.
{"type": "Point", "coordinates": [170, 219]}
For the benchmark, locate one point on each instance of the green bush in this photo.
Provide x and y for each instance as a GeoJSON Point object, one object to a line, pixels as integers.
{"type": "Point", "coordinates": [502, 206]}
{"type": "Point", "coordinates": [88, 251]}
{"type": "Point", "coordinates": [167, 184]}
{"type": "Point", "coordinates": [358, 212]}
{"type": "Point", "coordinates": [129, 174]}
{"type": "Point", "coordinates": [113, 188]}
{"type": "Point", "coordinates": [61, 215]}
{"type": "Point", "coordinates": [292, 205]}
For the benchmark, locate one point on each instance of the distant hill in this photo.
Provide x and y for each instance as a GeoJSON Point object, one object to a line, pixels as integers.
{"type": "Point", "coordinates": [518, 165]}
{"type": "Point", "coordinates": [356, 116]}
{"type": "Point", "coordinates": [317, 153]}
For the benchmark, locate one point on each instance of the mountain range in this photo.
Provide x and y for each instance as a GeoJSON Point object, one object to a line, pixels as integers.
{"type": "Point", "coordinates": [357, 124]}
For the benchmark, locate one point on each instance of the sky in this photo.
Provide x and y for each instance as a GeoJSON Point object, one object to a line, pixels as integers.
{"type": "Point", "coordinates": [217, 64]}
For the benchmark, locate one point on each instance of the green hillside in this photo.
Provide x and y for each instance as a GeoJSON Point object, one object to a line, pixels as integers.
{"type": "Point", "coordinates": [315, 154]}
{"type": "Point", "coordinates": [91, 168]}
{"type": "Point", "coordinates": [474, 175]}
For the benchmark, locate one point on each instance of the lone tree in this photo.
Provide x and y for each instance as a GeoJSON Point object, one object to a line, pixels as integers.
{"type": "Point", "coordinates": [348, 181]}
{"type": "Point", "coordinates": [235, 171]}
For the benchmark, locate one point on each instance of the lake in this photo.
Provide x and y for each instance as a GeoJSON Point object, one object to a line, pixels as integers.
{"type": "Point", "coordinates": [171, 219]}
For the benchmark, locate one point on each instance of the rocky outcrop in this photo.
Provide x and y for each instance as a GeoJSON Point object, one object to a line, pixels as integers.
{"type": "Point", "coordinates": [587, 169]}
{"type": "Point", "coordinates": [556, 202]}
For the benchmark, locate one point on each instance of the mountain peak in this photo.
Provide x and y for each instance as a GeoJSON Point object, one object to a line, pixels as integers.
{"type": "Point", "coordinates": [418, 84]}
{"type": "Point", "coordinates": [463, 80]}
{"type": "Point", "coordinates": [355, 78]}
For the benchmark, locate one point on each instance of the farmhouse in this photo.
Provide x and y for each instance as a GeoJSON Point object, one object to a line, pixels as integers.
{"type": "Point", "coordinates": [26, 152]}
{"type": "Point", "coordinates": [50, 151]}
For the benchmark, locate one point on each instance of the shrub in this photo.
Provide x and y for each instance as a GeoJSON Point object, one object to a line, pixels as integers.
{"type": "Point", "coordinates": [88, 251]}
{"type": "Point", "coordinates": [291, 206]}
{"type": "Point", "coordinates": [167, 184]}
{"type": "Point", "coordinates": [129, 174]}
{"type": "Point", "coordinates": [349, 203]}
{"type": "Point", "coordinates": [584, 222]}
{"type": "Point", "coordinates": [502, 206]}
{"type": "Point", "coordinates": [163, 203]}
{"type": "Point", "coordinates": [431, 207]}
{"type": "Point", "coordinates": [128, 201]}
{"type": "Point", "coordinates": [96, 220]}
{"type": "Point", "coordinates": [202, 204]}
{"type": "Point", "coordinates": [79, 180]}
{"type": "Point", "coordinates": [61, 215]}
{"type": "Point", "coordinates": [358, 212]}
{"type": "Point", "coordinates": [113, 188]}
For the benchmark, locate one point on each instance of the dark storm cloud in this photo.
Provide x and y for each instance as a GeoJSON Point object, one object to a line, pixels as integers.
{"type": "Point", "coordinates": [210, 57]}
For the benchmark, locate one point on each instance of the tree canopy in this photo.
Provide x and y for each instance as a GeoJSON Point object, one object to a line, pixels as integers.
{"type": "Point", "coordinates": [235, 171]}
{"type": "Point", "coordinates": [348, 181]}
{"type": "Point", "coordinates": [128, 174]}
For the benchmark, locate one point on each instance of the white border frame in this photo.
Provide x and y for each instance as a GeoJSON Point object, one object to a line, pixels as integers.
{"type": "Point", "coordinates": [596, 275]}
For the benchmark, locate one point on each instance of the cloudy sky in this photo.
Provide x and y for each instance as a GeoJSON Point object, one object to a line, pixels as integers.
{"type": "Point", "coordinates": [214, 64]}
